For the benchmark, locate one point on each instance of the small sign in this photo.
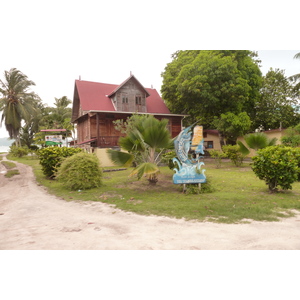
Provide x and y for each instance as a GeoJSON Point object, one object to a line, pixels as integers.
{"type": "Point", "coordinates": [53, 139]}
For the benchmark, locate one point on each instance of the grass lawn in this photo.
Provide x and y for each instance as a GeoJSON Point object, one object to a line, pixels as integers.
{"type": "Point", "coordinates": [238, 196]}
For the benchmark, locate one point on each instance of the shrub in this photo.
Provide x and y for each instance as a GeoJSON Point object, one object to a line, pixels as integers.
{"type": "Point", "coordinates": [80, 172]}
{"type": "Point", "coordinates": [234, 154]}
{"type": "Point", "coordinates": [51, 158]}
{"type": "Point", "coordinates": [217, 156]}
{"type": "Point", "coordinates": [277, 166]}
{"type": "Point", "coordinates": [205, 188]}
{"type": "Point", "coordinates": [167, 158]}
{"type": "Point", "coordinates": [18, 151]}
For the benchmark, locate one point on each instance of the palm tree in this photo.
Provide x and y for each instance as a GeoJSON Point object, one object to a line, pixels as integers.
{"type": "Point", "coordinates": [17, 103]}
{"type": "Point", "coordinates": [145, 143]}
{"type": "Point", "coordinates": [295, 77]}
{"type": "Point", "coordinates": [258, 140]}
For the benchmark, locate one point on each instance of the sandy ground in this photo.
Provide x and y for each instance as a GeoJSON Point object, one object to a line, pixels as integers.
{"type": "Point", "coordinates": [30, 218]}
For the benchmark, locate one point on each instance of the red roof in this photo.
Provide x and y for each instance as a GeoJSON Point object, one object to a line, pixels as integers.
{"type": "Point", "coordinates": [94, 96]}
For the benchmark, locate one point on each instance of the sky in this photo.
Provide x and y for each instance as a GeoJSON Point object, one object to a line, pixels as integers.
{"type": "Point", "coordinates": [56, 42]}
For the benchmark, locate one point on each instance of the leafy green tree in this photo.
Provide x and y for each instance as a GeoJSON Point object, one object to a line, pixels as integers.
{"type": "Point", "coordinates": [276, 106]}
{"type": "Point", "coordinates": [17, 103]}
{"type": "Point", "coordinates": [256, 141]}
{"type": "Point", "coordinates": [206, 84]}
{"type": "Point", "coordinates": [145, 144]}
{"type": "Point", "coordinates": [231, 126]}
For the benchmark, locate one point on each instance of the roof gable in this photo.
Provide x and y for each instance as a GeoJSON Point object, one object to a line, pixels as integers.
{"type": "Point", "coordinates": [95, 96]}
{"type": "Point", "coordinates": [125, 82]}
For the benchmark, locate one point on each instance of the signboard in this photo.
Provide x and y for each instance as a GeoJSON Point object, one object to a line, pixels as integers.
{"type": "Point", "coordinates": [188, 147]}
{"type": "Point", "coordinates": [53, 140]}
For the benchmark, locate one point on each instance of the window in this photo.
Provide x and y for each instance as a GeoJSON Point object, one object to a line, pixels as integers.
{"type": "Point", "coordinates": [138, 100]}
{"type": "Point", "coordinates": [125, 99]}
{"type": "Point", "coordinates": [208, 144]}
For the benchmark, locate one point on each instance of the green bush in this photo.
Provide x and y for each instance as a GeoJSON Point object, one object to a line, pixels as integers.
{"type": "Point", "coordinates": [51, 158]}
{"type": "Point", "coordinates": [18, 151]}
{"type": "Point", "coordinates": [80, 172]}
{"type": "Point", "coordinates": [217, 156]}
{"type": "Point", "coordinates": [277, 166]}
{"type": "Point", "coordinates": [234, 154]}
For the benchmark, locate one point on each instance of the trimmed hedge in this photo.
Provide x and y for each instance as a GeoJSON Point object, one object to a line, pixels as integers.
{"type": "Point", "coordinates": [52, 157]}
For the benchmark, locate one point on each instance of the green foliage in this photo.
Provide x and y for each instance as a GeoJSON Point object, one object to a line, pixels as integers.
{"type": "Point", "coordinates": [17, 104]}
{"type": "Point", "coordinates": [217, 156]}
{"type": "Point", "coordinates": [18, 151]}
{"type": "Point", "coordinates": [145, 142]}
{"type": "Point", "coordinates": [51, 158]}
{"type": "Point", "coordinates": [204, 188]}
{"type": "Point", "coordinates": [232, 125]}
{"type": "Point", "coordinates": [80, 171]}
{"type": "Point", "coordinates": [277, 166]}
{"type": "Point", "coordinates": [276, 106]}
{"type": "Point", "coordinates": [234, 154]}
{"type": "Point", "coordinates": [167, 158]}
{"type": "Point", "coordinates": [292, 137]}
{"type": "Point", "coordinates": [256, 141]}
{"type": "Point", "coordinates": [208, 83]}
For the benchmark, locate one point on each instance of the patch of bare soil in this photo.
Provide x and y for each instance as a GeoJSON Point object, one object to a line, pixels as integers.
{"type": "Point", "coordinates": [30, 218]}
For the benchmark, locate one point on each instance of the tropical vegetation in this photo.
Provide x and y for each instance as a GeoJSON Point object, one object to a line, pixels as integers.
{"type": "Point", "coordinates": [17, 102]}
{"type": "Point", "coordinates": [144, 144]}
{"type": "Point", "coordinates": [80, 171]}
{"type": "Point", "coordinates": [278, 166]}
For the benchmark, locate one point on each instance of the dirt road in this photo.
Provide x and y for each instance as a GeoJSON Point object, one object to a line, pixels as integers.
{"type": "Point", "coordinates": [30, 218]}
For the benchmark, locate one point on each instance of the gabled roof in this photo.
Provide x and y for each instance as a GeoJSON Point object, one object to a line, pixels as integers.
{"type": "Point", "coordinates": [95, 96]}
{"type": "Point", "coordinates": [124, 82]}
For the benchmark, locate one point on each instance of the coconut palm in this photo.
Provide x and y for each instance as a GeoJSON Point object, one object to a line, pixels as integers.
{"type": "Point", "coordinates": [144, 145]}
{"type": "Point", "coordinates": [258, 140]}
{"type": "Point", "coordinates": [17, 103]}
{"type": "Point", "coordinates": [295, 77]}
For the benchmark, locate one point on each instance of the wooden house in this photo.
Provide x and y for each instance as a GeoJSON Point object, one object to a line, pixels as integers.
{"type": "Point", "coordinates": [97, 105]}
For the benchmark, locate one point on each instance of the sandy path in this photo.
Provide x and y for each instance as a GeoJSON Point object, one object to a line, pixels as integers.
{"type": "Point", "coordinates": [30, 218]}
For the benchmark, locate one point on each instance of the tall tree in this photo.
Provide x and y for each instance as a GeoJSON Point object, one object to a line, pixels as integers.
{"type": "Point", "coordinates": [231, 126]}
{"type": "Point", "coordinates": [17, 103]}
{"type": "Point", "coordinates": [206, 84]}
{"type": "Point", "coordinates": [55, 116]}
{"type": "Point", "coordinates": [278, 102]}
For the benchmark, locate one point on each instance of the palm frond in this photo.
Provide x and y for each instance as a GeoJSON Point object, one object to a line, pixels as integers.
{"type": "Point", "coordinates": [297, 55]}
{"type": "Point", "coordinates": [272, 142]}
{"type": "Point", "coordinates": [243, 149]}
{"type": "Point", "coordinates": [145, 169]}
{"type": "Point", "coordinates": [257, 140]}
{"type": "Point", "coordinates": [120, 158]}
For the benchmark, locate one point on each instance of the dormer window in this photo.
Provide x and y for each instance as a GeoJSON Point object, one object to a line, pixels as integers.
{"type": "Point", "coordinates": [124, 99]}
